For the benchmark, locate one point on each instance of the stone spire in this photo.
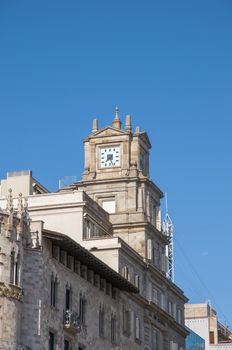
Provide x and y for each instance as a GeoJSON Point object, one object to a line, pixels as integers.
{"type": "Point", "coordinates": [128, 123]}
{"type": "Point", "coordinates": [10, 212]}
{"type": "Point", "coordinates": [116, 122]}
{"type": "Point", "coordinates": [20, 204]}
{"type": "Point", "coordinates": [9, 205]}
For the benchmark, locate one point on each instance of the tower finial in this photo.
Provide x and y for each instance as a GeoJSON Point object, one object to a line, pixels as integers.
{"type": "Point", "coordinates": [117, 122]}
{"type": "Point", "coordinates": [116, 112]}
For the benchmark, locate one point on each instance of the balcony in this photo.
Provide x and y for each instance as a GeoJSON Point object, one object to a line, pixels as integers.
{"type": "Point", "coordinates": [72, 321]}
{"type": "Point", "coordinates": [224, 333]}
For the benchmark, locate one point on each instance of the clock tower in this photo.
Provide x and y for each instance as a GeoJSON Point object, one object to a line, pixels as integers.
{"type": "Point", "coordinates": [116, 176]}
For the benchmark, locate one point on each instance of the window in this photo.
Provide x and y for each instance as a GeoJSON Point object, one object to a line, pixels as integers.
{"type": "Point", "coordinates": [77, 267]}
{"type": "Point", "coordinates": [155, 340]}
{"type": "Point", "coordinates": [149, 249]}
{"type": "Point", "coordinates": [126, 322]}
{"type": "Point", "coordinates": [101, 322]}
{"type": "Point", "coordinates": [164, 261]}
{"type": "Point", "coordinates": [125, 272]}
{"type": "Point", "coordinates": [83, 271]}
{"type": "Point", "coordinates": [68, 295]}
{"type": "Point", "coordinates": [51, 342]}
{"type": "Point", "coordinates": [90, 276]}
{"type": "Point", "coordinates": [66, 345]}
{"type": "Point", "coordinates": [63, 257]}
{"type": "Point", "coordinates": [14, 268]}
{"type": "Point", "coordinates": [153, 214]}
{"type": "Point", "coordinates": [96, 280]}
{"type": "Point", "coordinates": [158, 218]}
{"type": "Point", "coordinates": [87, 229]}
{"type": "Point", "coordinates": [102, 284]}
{"type": "Point", "coordinates": [174, 310]}
{"type": "Point", "coordinates": [113, 329]}
{"type": "Point", "coordinates": [170, 307]}
{"type": "Point", "coordinates": [155, 295]}
{"type": "Point", "coordinates": [137, 281]}
{"type": "Point", "coordinates": [56, 252]}
{"type": "Point", "coordinates": [179, 316]}
{"type": "Point", "coordinates": [163, 304]}
{"type": "Point", "coordinates": [211, 337]}
{"type": "Point", "coordinates": [156, 254]}
{"type": "Point", "coordinates": [53, 291]}
{"type": "Point", "coordinates": [137, 328]}
{"type": "Point", "coordinates": [108, 288]}
{"type": "Point", "coordinates": [114, 293]}
{"type": "Point", "coordinates": [82, 308]}
{"type": "Point", "coordinates": [70, 262]}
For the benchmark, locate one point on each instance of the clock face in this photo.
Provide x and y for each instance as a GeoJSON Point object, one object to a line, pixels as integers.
{"type": "Point", "coordinates": [110, 156]}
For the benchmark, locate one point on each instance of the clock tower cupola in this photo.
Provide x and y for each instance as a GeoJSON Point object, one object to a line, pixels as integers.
{"type": "Point", "coordinates": [113, 151]}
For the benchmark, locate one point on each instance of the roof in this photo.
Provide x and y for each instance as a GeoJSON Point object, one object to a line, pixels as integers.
{"type": "Point", "coordinates": [91, 261]}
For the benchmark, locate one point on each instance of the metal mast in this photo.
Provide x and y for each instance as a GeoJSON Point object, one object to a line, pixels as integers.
{"type": "Point", "coordinates": [168, 231]}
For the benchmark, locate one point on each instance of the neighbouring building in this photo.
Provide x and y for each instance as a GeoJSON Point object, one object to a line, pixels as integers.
{"type": "Point", "coordinates": [194, 341]}
{"type": "Point", "coordinates": [202, 319]}
{"type": "Point", "coordinates": [92, 266]}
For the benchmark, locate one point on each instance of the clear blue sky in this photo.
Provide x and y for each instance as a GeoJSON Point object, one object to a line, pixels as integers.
{"type": "Point", "coordinates": [167, 63]}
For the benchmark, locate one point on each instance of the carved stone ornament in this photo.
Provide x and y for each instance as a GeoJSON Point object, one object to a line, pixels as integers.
{"type": "Point", "coordinates": [11, 292]}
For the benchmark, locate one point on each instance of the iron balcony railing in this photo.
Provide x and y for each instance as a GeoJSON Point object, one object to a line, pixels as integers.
{"type": "Point", "coordinates": [72, 321]}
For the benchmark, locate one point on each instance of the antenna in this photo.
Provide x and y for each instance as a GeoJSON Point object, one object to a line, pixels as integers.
{"type": "Point", "coordinates": [66, 181]}
{"type": "Point", "coordinates": [168, 231]}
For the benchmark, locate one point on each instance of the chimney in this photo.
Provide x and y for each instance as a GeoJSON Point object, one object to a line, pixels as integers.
{"type": "Point", "coordinates": [95, 125]}
{"type": "Point", "coordinates": [128, 123]}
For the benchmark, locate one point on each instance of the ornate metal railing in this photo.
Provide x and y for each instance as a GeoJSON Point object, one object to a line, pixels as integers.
{"type": "Point", "coordinates": [72, 320]}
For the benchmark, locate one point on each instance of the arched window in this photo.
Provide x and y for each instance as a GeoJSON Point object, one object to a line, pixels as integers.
{"type": "Point", "coordinates": [82, 308]}
{"type": "Point", "coordinates": [12, 264]}
{"type": "Point", "coordinates": [68, 297]}
{"type": "Point", "coordinates": [14, 268]}
{"type": "Point", "coordinates": [101, 321]}
{"type": "Point", "coordinates": [53, 291]}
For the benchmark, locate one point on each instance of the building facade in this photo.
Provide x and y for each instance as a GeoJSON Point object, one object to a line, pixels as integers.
{"type": "Point", "coordinates": [202, 319]}
{"type": "Point", "coordinates": [112, 218]}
